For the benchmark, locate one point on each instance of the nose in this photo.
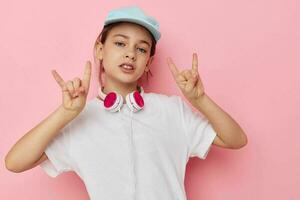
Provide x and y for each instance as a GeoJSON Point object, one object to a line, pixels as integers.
{"type": "Point", "coordinates": [130, 54]}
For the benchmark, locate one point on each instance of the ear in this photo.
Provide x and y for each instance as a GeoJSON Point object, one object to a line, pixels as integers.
{"type": "Point", "coordinates": [148, 63]}
{"type": "Point", "coordinates": [99, 50]}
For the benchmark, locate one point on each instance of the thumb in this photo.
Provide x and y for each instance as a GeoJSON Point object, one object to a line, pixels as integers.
{"type": "Point", "coordinates": [82, 91]}
{"type": "Point", "coordinates": [87, 76]}
{"type": "Point", "coordinates": [191, 83]}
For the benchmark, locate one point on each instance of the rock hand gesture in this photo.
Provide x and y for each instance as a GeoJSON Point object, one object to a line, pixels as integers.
{"type": "Point", "coordinates": [74, 92]}
{"type": "Point", "coordinates": [188, 80]}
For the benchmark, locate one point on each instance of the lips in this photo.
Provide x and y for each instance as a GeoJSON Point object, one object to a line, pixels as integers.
{"type": "Point", "coordinates": [128, 66]}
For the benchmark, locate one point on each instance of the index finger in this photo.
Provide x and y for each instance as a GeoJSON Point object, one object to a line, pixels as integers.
{"type": "Point", "coordinates": [173, 67]}
{"type": "Point", "coordinates": [195, 62]}
{"type": "Point", "coordinates": [58, 78]}
{"type": "Point", "coordinates": [87, 75]}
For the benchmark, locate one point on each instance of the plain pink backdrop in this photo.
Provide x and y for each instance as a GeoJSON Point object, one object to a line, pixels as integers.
{"type": "Point", "coordinates": [249, 63]}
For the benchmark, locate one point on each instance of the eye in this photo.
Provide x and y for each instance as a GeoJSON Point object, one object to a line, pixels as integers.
{"type": "Point", "coordinates": [142, 50]}
{"type": "Point", "coordinates": [118, 43]}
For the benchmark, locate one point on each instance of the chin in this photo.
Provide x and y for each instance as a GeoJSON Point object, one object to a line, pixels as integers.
{"type": "Point", "coordinates": [124, 78]}
{"type": "Point", "coordinates": [128, 81]}
{"type": "Point", "coordinates": [129, 78]}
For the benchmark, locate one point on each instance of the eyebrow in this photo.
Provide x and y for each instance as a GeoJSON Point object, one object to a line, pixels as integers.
{"type": "Point", "coordinates": [125, 36]}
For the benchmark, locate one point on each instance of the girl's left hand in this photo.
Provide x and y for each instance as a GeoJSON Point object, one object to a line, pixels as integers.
{"type": "Point", "coordinates": [188, 80]}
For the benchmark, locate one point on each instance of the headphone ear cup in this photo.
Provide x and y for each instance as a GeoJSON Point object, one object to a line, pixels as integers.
{"type": "Point", "coordinates": [135, 101]}
{"type": "Point", "coordinates": [113, 102]}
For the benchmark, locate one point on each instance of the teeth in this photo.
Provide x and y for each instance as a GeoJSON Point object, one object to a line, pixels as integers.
{"type": "Point", "coordinates": [127, 67]}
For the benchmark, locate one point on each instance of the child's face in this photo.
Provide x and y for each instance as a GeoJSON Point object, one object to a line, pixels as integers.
{"type": "Point", "coordinates": [134, 47]}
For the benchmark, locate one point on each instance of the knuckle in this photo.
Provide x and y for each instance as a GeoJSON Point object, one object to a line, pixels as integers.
{"type": "Point", "coordinates": [64, 87]}
{"type": "Point", "coordinates": [76, 79]}
{"type": "Point", "coordinates": [70, 85]}
{"type": "Point", "coordinates": [69, 82]}
{"type": "Point", "coordinates": [76, 82]}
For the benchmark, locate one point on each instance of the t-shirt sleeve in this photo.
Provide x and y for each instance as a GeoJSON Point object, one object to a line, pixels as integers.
{"type": "Point", "coordinates": [200, 133]}
{"type": "Point", "coordinates": [58, 153]}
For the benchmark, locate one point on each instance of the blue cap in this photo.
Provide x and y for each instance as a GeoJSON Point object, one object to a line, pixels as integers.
{"type": "Point", "coordinates": [136, 15]}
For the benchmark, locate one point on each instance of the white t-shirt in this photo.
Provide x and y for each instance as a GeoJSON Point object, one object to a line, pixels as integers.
{"type": "Point", "coordinates": [145, 164]}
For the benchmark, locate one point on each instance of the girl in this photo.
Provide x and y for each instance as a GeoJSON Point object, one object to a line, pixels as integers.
{"type": "Point", "coordinates": [126, 143]}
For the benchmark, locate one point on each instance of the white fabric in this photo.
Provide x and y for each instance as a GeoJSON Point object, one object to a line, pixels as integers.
{"type": "Point", "coordinates": [142, 159]}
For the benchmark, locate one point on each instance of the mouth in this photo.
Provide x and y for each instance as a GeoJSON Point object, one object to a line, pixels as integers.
{"type": "Point", "coordinates": [127, 67]}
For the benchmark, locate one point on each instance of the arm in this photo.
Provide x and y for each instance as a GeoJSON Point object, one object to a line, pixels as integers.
{"type": "Point", "coordinates": [29, 150]}
{"type": "Point", "coordinates": [25, 154]}
{"type": "Point", "coordinates": [229, 133]}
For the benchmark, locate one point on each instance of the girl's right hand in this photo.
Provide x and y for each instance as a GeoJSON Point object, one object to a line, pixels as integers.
{"type": "Point", "coordinates": [74, 92]}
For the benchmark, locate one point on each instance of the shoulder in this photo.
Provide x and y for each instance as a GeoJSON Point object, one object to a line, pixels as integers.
{"type": "Point", "coordinates": [88, 112]}
{"type": "Point", "coordinates": [91, 104]}
{"type": "Point", "coordinates": [80, 123]}
{"type": "Point", "coordinates": [164, 100]}
{"type": "Point", "coordinates": [160, 96]}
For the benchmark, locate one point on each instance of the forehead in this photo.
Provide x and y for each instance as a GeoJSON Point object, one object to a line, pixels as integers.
{"type": "Point", "coordinates": [132, 30]}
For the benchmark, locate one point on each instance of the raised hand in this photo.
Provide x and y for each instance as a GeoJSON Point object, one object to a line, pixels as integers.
{"type": "Point", "coordinates": [188, 80]}
{"type": "Point", "coordinates": [74, 92]}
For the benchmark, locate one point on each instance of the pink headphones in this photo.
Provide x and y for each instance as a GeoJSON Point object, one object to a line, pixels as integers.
{"type": "Point", "coordinates": [113, 101]}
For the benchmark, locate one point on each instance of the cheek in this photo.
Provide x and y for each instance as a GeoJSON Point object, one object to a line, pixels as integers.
{"type": "Point", "coordinates": [145, 63]}
{"type": "Point", "coordinates": [142, 64]}
{"type": "Point", "coordinates": [143, 59]}
{"type": "Point", "coordinates": [111, 58]}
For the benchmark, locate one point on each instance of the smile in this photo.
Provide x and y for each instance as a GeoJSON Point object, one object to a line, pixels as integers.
{"type": "Point", "coordinates": [127, 68]}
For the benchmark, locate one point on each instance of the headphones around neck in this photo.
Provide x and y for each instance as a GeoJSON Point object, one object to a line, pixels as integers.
{"type": "Point", "coordinates": [113, 101]}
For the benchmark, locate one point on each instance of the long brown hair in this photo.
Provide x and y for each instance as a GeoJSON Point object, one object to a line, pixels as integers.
{"type": "Point", "coordinates": [102, 38]}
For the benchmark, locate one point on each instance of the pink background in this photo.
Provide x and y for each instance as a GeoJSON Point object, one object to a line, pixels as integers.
{"type": "Point", "coordinates": [248, 55]}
